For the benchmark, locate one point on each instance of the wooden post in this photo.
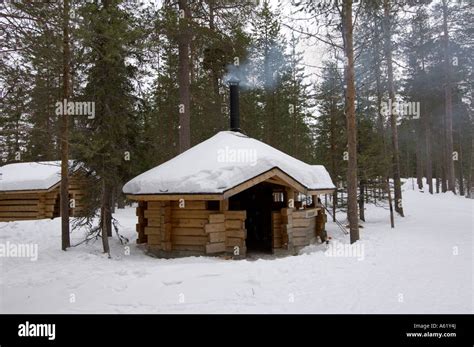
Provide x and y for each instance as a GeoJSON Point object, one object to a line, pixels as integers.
{"type": "Point", "coordinates": [224, 205]}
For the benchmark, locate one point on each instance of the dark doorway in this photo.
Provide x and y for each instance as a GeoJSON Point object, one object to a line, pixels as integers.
{"type": "Point", "coordinates": [57, 207]}
{"type": "Point", "coordinates": [257, 201]}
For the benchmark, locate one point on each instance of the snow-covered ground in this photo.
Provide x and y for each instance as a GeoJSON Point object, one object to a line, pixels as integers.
{"type": "Point", "coordinates": [424, 265]}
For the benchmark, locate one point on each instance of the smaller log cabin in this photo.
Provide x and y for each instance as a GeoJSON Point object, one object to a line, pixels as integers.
{"type": "Point", "coordinates": [31, 190]}
{"type": "Point", "coordinates": [229, 195]}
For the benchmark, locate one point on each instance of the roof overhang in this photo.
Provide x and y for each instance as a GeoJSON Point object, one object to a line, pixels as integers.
{"type": "Point", "coordinates": [47, 190]}
{"type": "Point", "coordinates": [274, 175]}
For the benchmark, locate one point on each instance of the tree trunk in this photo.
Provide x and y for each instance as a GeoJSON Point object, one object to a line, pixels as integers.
{"type": "Point", "coordinates": [437, 174]}
{"type": "Point", "coordinates": [214, 73]}
{"type": "Point", "coordinates": [380, 124]}
{"type": "Point", "coordinates": [444, 182]}
{"type": "Point", "coordinates": [351, 123]}
{"type": "Point", "coordinates": [64, 189]}
{"type": "Point", "coordinates": [105, 221]}
{"type": "Point", "coordinates": [393, 115]}
{"type": "Point", "coordinates": [428, 154]}
{"type": "Point", "coordinates": [183, 77]}
{"type": "Point", "coordinates": [419, 161]}
{"type": "Point", "coordinates": [460, 170]}
{"type": "Point", "coordinates": [448, 104]}
{"type": "Point", "coordinates": [332, 132]}
{"type": "Point", "coordinates": [470, 188]}
{"type": "Point", "coordinates": [390, 204]}
{"type": "Point", "coordinates": [109, 209]}
{"type": "Point", "coordinates": [361, 200]}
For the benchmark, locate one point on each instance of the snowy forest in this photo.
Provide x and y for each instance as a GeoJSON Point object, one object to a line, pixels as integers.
{"type": "Point", "coordinates": [380, 92]}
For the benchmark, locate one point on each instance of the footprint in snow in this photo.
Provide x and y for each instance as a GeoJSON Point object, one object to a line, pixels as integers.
{"type": "Point", "coordinates": [171, 283]}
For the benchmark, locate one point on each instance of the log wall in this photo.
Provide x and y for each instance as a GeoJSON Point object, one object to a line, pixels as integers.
{"type": "Point", "coordinates": [40, 204]}
{"type": "Point", "coordinates": [277, 229]}
{"type": "Point", "coordinates": [304, 227]}
{"type": "Point", "coordinates": [299, 228]}
{"type": "Point", "coordinates": [26, 206]}
{"type": "Point", "coordinates": [170, 229]}
{"type": "Point", "coordinates": [173, 229]}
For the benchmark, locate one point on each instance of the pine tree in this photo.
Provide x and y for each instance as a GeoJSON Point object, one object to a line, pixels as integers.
{"type": "Point", "coordinates": [106, 143]}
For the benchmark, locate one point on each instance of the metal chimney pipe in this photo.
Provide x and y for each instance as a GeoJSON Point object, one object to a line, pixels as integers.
{"type": "Point", "coordinates": [234, 104]}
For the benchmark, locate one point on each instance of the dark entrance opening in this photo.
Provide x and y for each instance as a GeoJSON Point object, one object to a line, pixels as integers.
{"type": "Point", "coordinates": [57, 207]}
{"type": "Point", "coordinates": [257, 201]}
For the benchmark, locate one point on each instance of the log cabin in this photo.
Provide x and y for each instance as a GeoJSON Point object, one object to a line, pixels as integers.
{"type": "Point", "coordinates": [230, 195]}
{"type": "Point", "coordinates": [30, 190]}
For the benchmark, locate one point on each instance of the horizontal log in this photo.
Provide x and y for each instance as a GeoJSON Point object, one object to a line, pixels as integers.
{"type": "Point", "coordinates": [153, 239]}
{"type": "Point", "coordinates": [194, 248]}
{"type": "Point", "coordinates": [153, 222]}
{"type": "Point", "coordinates": [188, 231]}
{"type": "Point", "coordinates": [188, 240]}
{"type": "Point", "coordinates": [215, 248]}
{"type": "Point", "coordinates": [189, 223]}
{"type": "Point", "coordinates": [299, 214]}
{"type": "Point", "coordinates": [190, 214]}
{"type": "Point", "coordinates": [302, 222]}
{"type": "Point", "coordinates": [308, 213]}
{"type": "Point", "coordinates": [152, 230]}
{"type": "Point", "coordinates": [300, 241]}
{"type": "Point", "coordinates": [217, 237]}
{"type": "Point", "coordinates": [189, 205]}
{"type": "Point", "coordinates": [154, 205]}
{"type": "Point", "coordinates": [215, 227]}
{"type": "Point", "coordinates": [235, 215]}
{"type": "Point", "coordinates": [234, 224]}
{"type": "Point", "coordinates": [234, 241]}
{"type": "Point", "coordinates": [11, 219]}
{"type": "Point", "coordinates": [277, 243]}
{"type": "Point", "coordinates": [301, 232]}
{"type": "Point", "coordinates": [152, 214]}
{"type": "Point", "coordinates": [166, 246]}
{"type": "Point", "coordinates": [19, 196]}
{"type": "Point", "coordinates": [18, 202]}
{"type": "Point", "coordinates": [19, 208]}
{"type": "Point", "coordinates": [157, 214]}
{"type": "Point", "coordinates": [216, 218]}
{"type": "Point", "coordinates": [19, 214]}
{"type": "Point", "coordinates": [236, 233]}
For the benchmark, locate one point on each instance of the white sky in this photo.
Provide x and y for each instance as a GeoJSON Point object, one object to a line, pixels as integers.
{"type": "Point", "coordinates": [314, 51]}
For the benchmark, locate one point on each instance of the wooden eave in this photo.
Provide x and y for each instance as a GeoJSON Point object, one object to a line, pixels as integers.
{"type": "Point", "coordinates": [274, 175]}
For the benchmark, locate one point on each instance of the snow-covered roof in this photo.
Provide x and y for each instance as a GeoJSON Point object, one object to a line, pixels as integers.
{"type": "Point", "coordinates": [30, 176]}
{"type": "Point", "coordinates": [222, 162]}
